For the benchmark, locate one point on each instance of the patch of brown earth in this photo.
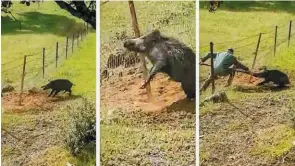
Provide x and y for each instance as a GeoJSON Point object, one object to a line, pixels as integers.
{"type": "Point", "coordinates": [30, 101]}
{"type": "Point", "coordinates": [125, 92]}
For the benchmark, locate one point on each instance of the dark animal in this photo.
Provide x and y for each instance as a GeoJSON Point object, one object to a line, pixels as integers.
{"type": "Point", "coordinates": [58, 85]}
{"type": "Point", "coordinates": [277, 77]}
{"type": "Point", "coordinates": [214, 5]}
{"type": "Point", "coordinates": [169, 56]}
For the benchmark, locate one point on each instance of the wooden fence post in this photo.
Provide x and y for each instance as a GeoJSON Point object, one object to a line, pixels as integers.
{"type": "Point", "coordinates": [67, 43]}
{"type": "Point", "coordinates": [256, 53]}
{"type": "Point", "coordinates": [56, 57]}
{"type": "Point", "coordinates": [78, 39]}
{"type": "Point", "coordinates": [137, 34]}
{"type": "Point", "coordinates": [22, 79]}
{"type": "Point", "coordinates": [73, 41]}
{"type": "Point", "coordinates": [43, 62]}
{"type": "Point", "coordinates": [275, 42]}
{"type": "Point", "coordinates": [87, 28]}
{"type": "Point", "coordinates": [212, 68]}
{"type": "Point", "coordinates": [290, 29]}
{"type": "Point", "coordinates": [81, 34]}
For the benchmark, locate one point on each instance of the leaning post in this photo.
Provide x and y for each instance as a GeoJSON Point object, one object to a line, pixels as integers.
{"type": "Point", "coordinates": [137, 34]}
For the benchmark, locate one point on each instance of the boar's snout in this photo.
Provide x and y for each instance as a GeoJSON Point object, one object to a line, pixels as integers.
{"type": "Point", "coordinates": [45, 87]}
{"type": "Point", "coordinates": [129, 44]}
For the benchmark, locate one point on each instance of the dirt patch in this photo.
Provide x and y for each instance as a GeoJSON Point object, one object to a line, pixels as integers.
{"type": "Point", "coordinates": [31, 101]}
{"type": "Point", "coordinates": [229, 138]}
{"type": "Point", "coordinates": [245, 79]}
{"type": "Point", "coordinates": [125, 92]}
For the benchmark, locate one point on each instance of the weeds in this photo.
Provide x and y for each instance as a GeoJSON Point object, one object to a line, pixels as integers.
{"type": "Point", "coordinates": [81, 126]}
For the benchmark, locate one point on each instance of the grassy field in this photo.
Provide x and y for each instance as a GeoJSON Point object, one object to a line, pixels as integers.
{"type": "Point", "coordinates": [51, 25]}
{"type": "Point", "coordinates": [228, 137]}
{"type": "Point", "coordinates": [130, 136]}
{"type": "Point", "coordinates": [41, 128]}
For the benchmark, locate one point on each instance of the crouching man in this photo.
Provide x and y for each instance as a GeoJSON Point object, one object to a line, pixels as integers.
{"type": "Point", "coordinates": [224, 64]}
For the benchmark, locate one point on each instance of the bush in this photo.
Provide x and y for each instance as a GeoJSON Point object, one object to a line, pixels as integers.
{"type": "Point", "coordinates": [80, 127]}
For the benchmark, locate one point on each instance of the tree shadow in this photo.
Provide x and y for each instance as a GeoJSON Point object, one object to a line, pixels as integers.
{"type": "Point", "coordinates": [39, 23]}
{"type": "Point", "coordinates": [248, 6]}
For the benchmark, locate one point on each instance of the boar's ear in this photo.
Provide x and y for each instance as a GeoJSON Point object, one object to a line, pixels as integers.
{"type": "Point", "coordinates": [156, 32]}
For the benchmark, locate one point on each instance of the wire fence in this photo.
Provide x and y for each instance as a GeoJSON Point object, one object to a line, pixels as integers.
{"type": "Point", "coordinates": [31, 66]}
{"type": "Point", "coordinates": [261, 45]}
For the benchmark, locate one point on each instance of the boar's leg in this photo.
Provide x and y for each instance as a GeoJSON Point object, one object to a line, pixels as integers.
{"type": "Point", "coordinates": [230, 78]}
{"type": "Point", "coordinates": [188, 90]}
{"type": "Point", "coordinates": [56, 92]}
{"type": "Point", "coordinates": [263, 82]}
{"type": "Point", "coordinates": [51, 92]}
{"type": "Point", "coordinates": [154, 70]}
{"type": "Point", "coordinates": [70, 92]}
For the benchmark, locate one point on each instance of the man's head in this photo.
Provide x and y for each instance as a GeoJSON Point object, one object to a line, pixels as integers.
{"type": "Point", "coordinates": [230, 50]}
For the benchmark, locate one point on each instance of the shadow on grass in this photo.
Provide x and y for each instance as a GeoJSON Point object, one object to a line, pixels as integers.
{"type": "Point", "coordinates": [39, 23]}
{"type": "Point", "coordinates": [248, 6]}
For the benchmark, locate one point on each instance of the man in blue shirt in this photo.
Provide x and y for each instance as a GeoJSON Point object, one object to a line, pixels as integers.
{"type": "Point", "coordinates": [224, 64]}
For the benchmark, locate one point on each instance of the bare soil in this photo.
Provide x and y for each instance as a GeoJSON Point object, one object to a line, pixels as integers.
{"type": "Point", "coordinates": [32, 128]}
{"type": "Point", "coordinates": [125, 92]}
{"type": "Point", "coordinates": [229, 138]}
{"type": "Point", "coordinates": [167, 121]}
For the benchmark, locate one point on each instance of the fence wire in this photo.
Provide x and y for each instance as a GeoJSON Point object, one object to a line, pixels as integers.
{"type": "Point", "coordinates": [34, 60]}
{"type": "Point", "coordinates": [267, 45]}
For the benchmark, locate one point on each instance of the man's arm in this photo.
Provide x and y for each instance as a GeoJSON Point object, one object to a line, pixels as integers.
{"type": "Point", "coordinates": [207, 56]}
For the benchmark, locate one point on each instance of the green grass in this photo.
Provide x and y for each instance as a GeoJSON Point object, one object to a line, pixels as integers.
{"type": "Point", "coordinates": [226, 25]}
{"type": "Point", "coordinates": [74, 68]}
{"type": "Point", "coordinates": [135, 138]}
{"type": "Point", "coordinates": [274, 141]}
{"type": "Point", "coordinates": [42, 27]}
{"type": "Point", "coordinates": [239, 20]}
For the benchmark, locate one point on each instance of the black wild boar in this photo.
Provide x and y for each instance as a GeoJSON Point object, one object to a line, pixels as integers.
{"type": "Point", "coordinates": [277, 77]}
{"type": "Point", "coordinates": [59, 85]}
{"type": "Point", "coordinates": [169, 56]}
